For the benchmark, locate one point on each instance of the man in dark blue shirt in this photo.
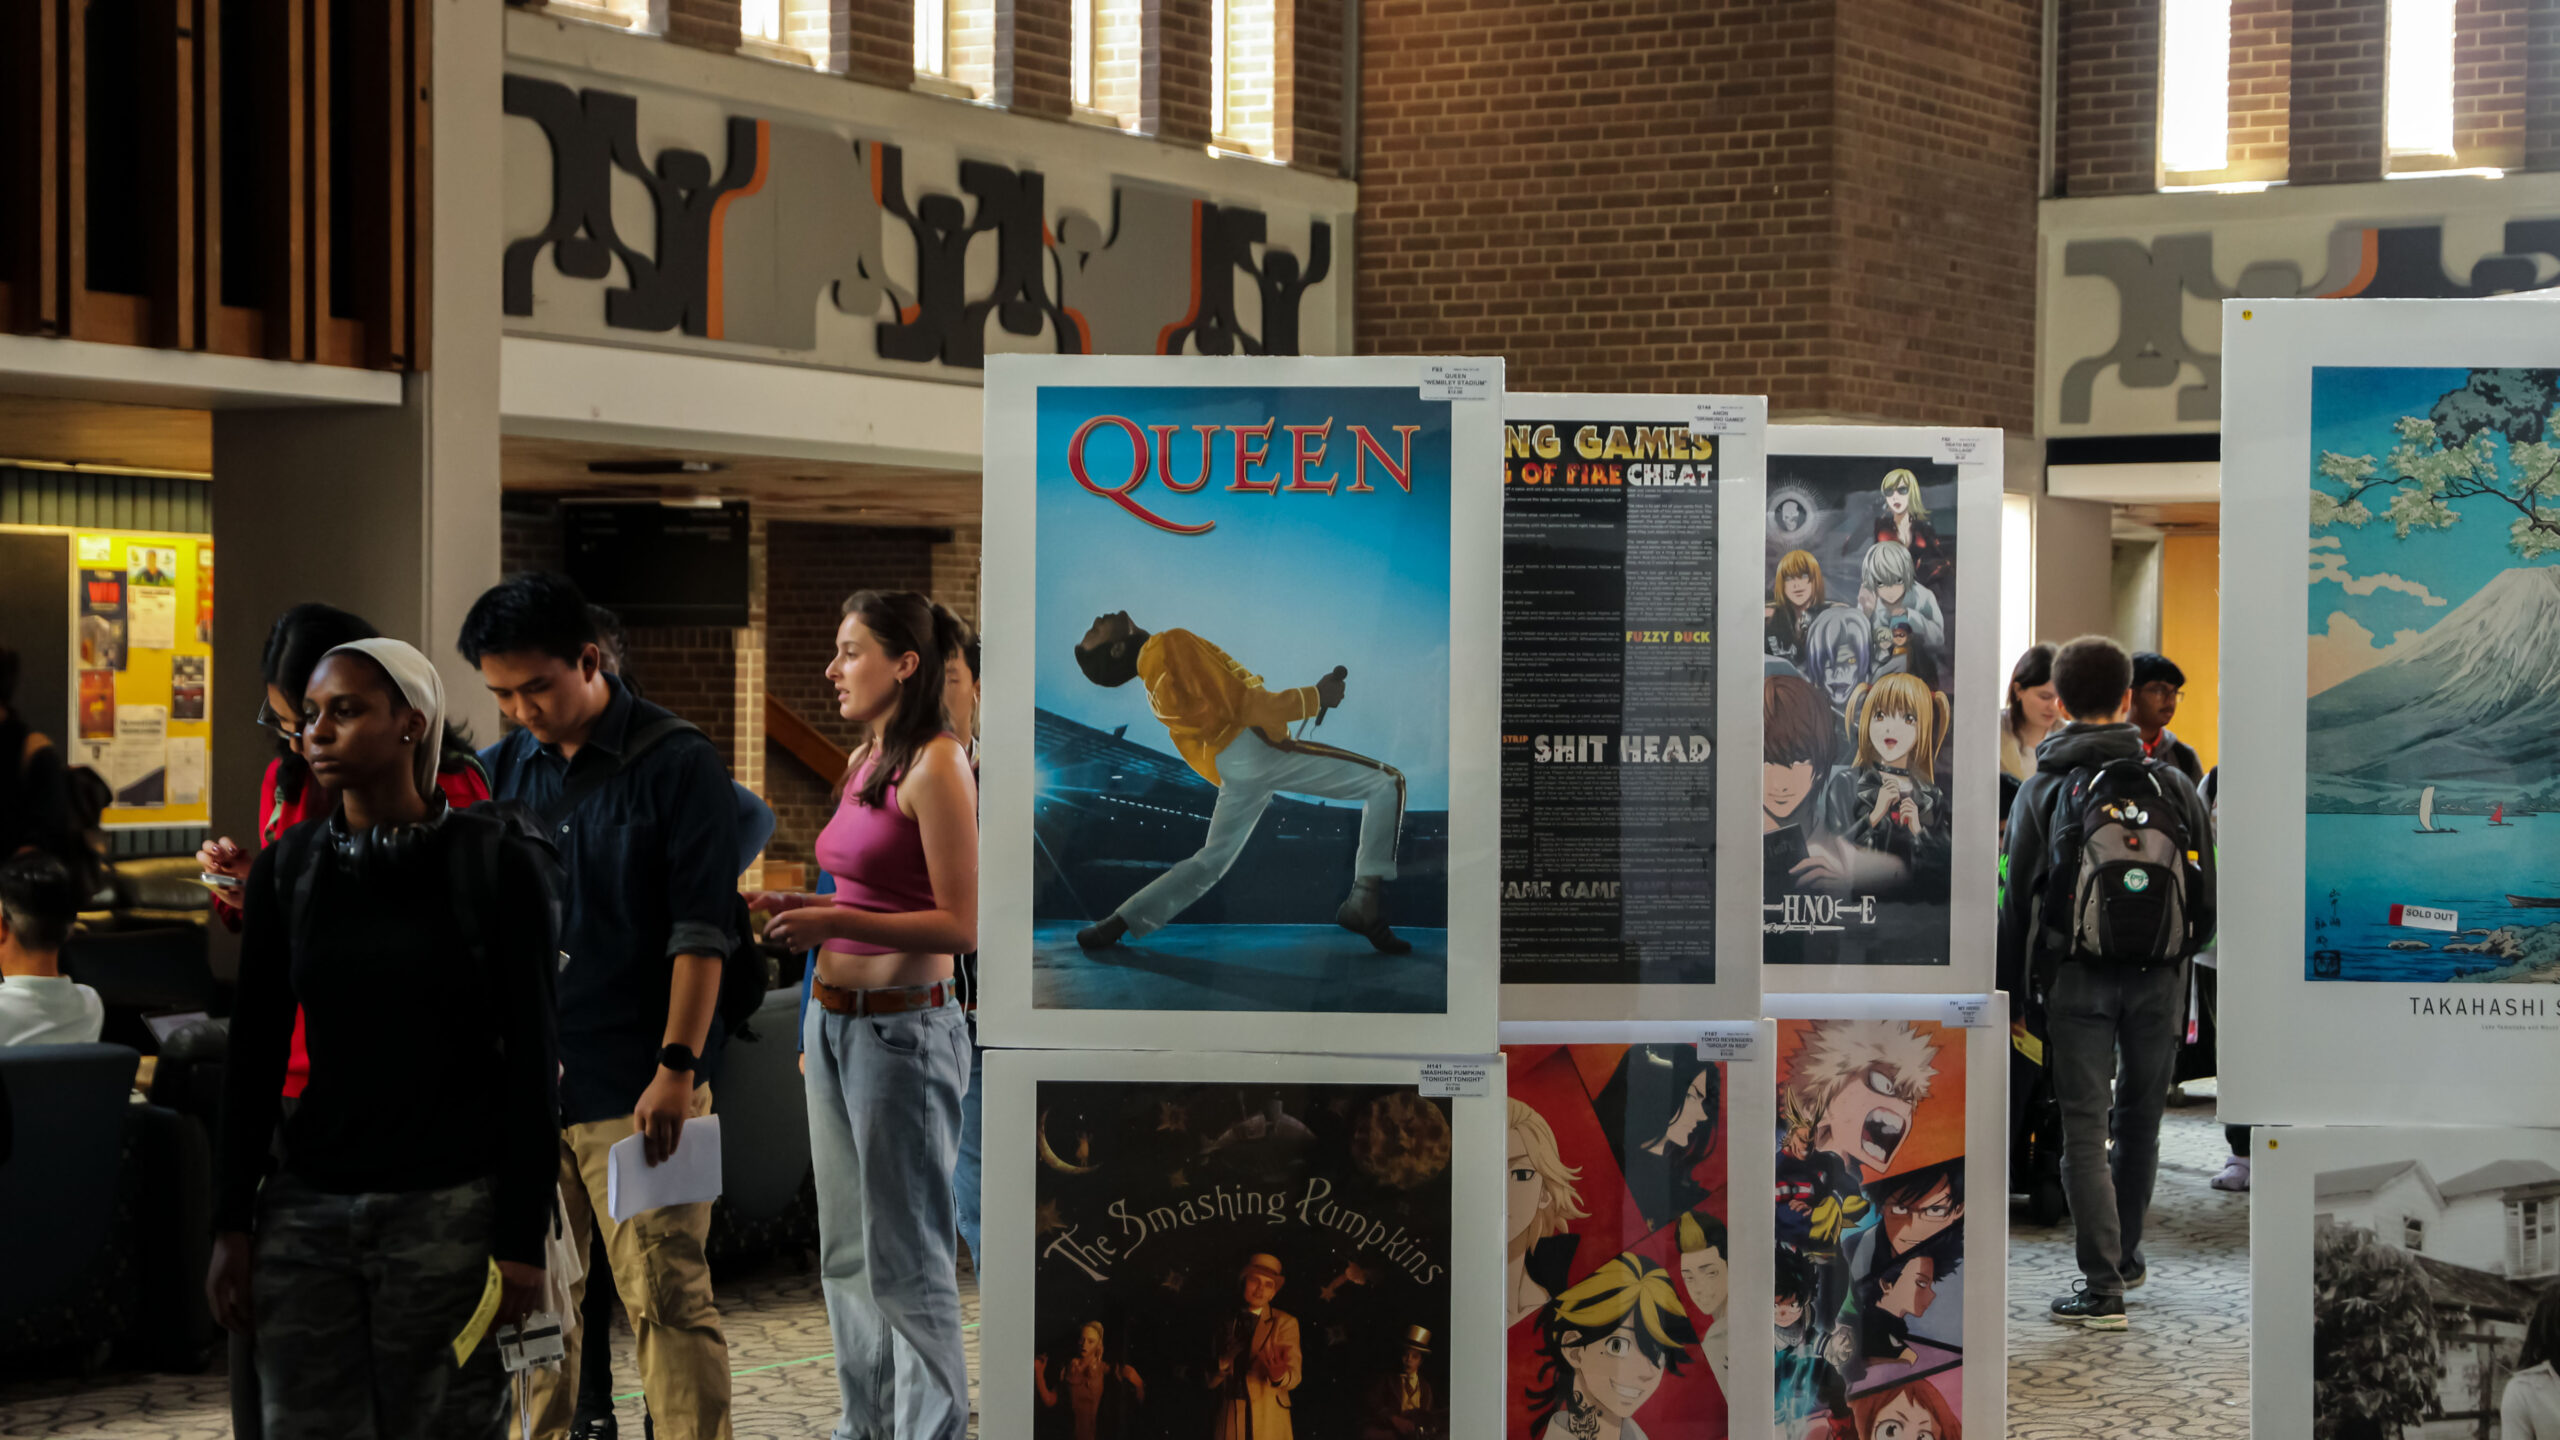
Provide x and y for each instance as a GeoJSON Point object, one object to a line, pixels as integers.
{"type": "Point", "coordinates": [648, 850]}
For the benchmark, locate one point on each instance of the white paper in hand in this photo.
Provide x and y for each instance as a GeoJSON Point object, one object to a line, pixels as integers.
{"type": "Point", "coordinates": [632, 1184]}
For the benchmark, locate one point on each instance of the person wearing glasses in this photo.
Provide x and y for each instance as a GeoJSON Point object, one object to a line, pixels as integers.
{"type": "Point", "coordinates": [2158, 685]}
{"type": "Point", "coordinates": [289, 795]}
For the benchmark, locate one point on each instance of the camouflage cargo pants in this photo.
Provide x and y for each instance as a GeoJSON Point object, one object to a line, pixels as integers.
{"type": "Point", "coordinates": [357, 1300]}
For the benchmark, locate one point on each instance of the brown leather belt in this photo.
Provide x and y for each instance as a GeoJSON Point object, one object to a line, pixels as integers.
{"type": "Point", "coordinates": [887, 1000]}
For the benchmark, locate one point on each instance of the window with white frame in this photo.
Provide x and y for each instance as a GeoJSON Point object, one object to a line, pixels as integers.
{"type": "Point", "coordinates": [2533, 1237]}
{"type": "Point", "coordinates": [628, 14]}
{"type": "Point", "coordinates": [2413, 1233]}
{"type": "Point", "coordinates": [933, 42]}
{"type": "Point", "coordinates": [2195, 86]}
{"type": "Point", "coordinates": [792, 30]}
{"type": "Point", "coordinates": [1082, 42]}
{"type": "Point", "coordinates": [1241, 90]}
{"type": "Point", "coordinates": [2419, 102]}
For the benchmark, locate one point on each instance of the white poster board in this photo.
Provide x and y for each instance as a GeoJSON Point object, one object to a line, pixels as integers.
{"type": "Point", "coordinates": [1136, 1190]}
{"type": "Point", "coordinates": [2391, 795]}
{"type": "Point", "coordinates": [1901, 1056]}
{"type": "Point", "coordinates": [2414, 1256]}
{"type": "Point", "coordinates": [1179, 852]}
{"type": "Point", "coordinates": [1611, 1103]}
{"type": "Point", "coordinates": [1630, 706]}
{"type": "Point", "coordinates": [1880, 608]}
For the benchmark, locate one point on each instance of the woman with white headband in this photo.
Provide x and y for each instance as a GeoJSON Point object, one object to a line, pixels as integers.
{"type": "Point", "coordinates": [418, 1172]}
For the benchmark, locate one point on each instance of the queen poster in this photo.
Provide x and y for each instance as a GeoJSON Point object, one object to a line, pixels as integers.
{"type": "Point", "coordinates": [1231, 1249]}
{"type": "Point", "coordinates": [1230, 628]}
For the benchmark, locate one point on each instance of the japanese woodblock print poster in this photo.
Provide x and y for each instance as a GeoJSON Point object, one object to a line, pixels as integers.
{"type": "Point", "coordinates": [1623, 705]}
{"type": "Point", "coordinates": [2391, 581]}
{"type": "Point", "coordinates": [1880, 1310]}
{"type": "Point", "coordinates": [2396, 1275]}
{"type": "Point", "coordinates": [1248, 634]}
{"type": "Point", "coordinates": [1238, 1246]}
{"type": "Point", "coordinates": [1880, 566]}
{"type": "Point", "coordinates": [1632, 1280]}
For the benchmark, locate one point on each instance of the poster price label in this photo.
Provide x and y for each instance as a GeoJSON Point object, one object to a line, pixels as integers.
{"type": "Point", "coordinates": [1967, 1012]}
{"type": "Point", "coordinates": [1458, 380]}
{"type": "Point", "coordinates": [1468, 1079]}
{"type": "Point", "coordinates": [1718, 417]}
{"type": "Point", "coordinates": [1732, 1041]}
{"type": "Point", "coordinates": [1959, 449]}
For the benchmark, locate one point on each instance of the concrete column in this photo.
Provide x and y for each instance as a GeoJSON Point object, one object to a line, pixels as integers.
{"type": "Point", "coordinates": [391, 513]}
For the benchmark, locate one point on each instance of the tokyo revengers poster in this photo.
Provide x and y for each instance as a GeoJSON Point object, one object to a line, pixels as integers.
{"type": "Point", "coordinates": [1261, 1255]}
{"type": "Point", "coordinates": [1241, 771]}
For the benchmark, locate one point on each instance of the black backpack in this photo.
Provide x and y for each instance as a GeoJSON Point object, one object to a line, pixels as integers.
{"type": "Point", "coordinates": [2118, 886]}
{"type": "Point", "coordinates": [744, 976]}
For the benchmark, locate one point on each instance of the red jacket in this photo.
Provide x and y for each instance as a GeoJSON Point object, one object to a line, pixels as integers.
{"type": "Point", "coordinates": [462, 788]}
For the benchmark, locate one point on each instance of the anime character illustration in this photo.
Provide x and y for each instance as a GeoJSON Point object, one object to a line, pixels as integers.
{"type": "Point", "coordinates": [1808, 1388]}
{"type": "Point", "coordinates": [1897, 604]}
{"type": "Point", "coordinates": [1886, 799]}
{"type": "Point", "coordinates": [1705, 1275]}
{"type": "Point", "coordinates": [1235, 735]}
{"type": "Point", "coordinates": [1542, 1205]}
{"type": "Point", "coordinates": [1796, 598]}
{"type": "Point", "coordinates": [1871, 1207]}
{"type": "Point", "coordinates": [1606, 1345]}
{"type": "Point", "coordinates": [2434, 587]}
{"type": "Point", "coordinates": [1401, 1404]}
{"type": "Point", "coordinates": [1619, 1249]}
{"type": "Point", "coordinates": [1913, 1410]}
{"type": "Point", "coordinates": [1662, 1105]}
{"type": "Point", "coordinates": [1903, 519]}
{"type": "Point", "coordinates": [1098, 1396]}
{"type": "Point", "coordinates": [1257, 1359]}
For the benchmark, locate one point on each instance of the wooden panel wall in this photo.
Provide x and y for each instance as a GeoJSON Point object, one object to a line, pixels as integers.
{"type": "Point", "coordinates": [139, 96]}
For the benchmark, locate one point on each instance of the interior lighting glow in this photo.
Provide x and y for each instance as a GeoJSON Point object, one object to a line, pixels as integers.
{"type": "Point", "coordinates": [2195, 85]}
{"type": "Point", "coordinates": [2420, 117]}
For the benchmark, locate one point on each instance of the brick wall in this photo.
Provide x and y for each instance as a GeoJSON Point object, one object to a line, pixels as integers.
{"type": "Point", "coordinates": [692, 670]}
{"type": "Point", "coordinates": [1119, 53]}
{"type": "Point", "coordinates": [1307, 85]}
{"type": "Point", "coordinates": [819, 28]}
{"type": "Point", "coordinates": [2542, 88]}
{"type": "Point", "coordinates": [1934, 197]}
{"type": "Point", "coordinates": [1684, 215]}
{"type": "Point", "coordinates": [529, 535]}
{"type": "Point", "coordinates": [2339, 69]}
{"type": "Point", "coordinates": [1173, 70]}
{"type": "Point", "coordinates": [1035, 72]}
{"type": "Point", "coordinates": [879, 41]}
{"type": "Point", "coordinates": [709, 24]}
{"type": "Point", "coordinates": [2261, 86]}
{"type": "Point", "coordinates": [1248, 36]}
{"type": "Point", "coordinates": [2490, 46]}
{"type": "Point", "coordinates": [2110, 96]}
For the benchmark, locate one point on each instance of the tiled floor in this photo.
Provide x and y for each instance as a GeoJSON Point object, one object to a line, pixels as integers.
{"type": "Point", "coordinates": [2182, 1371]}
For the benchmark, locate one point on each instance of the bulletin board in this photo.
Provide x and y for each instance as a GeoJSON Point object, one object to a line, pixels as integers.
{"type": "Point", "coordinates": [142, 672]}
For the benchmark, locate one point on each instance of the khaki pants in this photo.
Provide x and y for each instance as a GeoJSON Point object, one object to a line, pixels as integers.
{"type": "Point", "coordinates": [665, 1285]}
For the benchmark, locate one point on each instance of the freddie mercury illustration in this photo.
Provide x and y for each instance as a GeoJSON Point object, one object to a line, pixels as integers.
{"type": "Point", "coordinates": [1235, 734]}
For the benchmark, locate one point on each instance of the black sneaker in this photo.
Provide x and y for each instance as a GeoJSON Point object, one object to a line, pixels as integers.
{"type": "Point", "coordinates": [2135, 1278]}
{"type": "Point", "coordinates": [2091, 1312]}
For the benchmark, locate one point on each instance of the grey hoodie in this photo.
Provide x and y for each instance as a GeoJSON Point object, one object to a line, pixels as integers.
{"type": "Point", "coordinates": [2032, 822]}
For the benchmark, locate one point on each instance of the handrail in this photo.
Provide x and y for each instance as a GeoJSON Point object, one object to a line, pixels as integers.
{"type": "Point", "coordinates": [805, 741]}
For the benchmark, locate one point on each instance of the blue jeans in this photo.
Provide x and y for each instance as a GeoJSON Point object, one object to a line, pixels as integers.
{"type": "Point", "coordinates": [973, 1145]}
{"type": "Point", "coordinates": [884, 1132]}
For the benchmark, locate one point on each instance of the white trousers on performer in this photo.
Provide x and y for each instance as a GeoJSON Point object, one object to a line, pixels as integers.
{"type": "Point", "coordinates": [1253, 770]}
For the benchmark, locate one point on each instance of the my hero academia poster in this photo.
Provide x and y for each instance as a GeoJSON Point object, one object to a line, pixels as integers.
{"type": "Point", "coordinates": [1635, 1280]}
{"type": "Point", "coordinates": [1241, 627]}
{"type": "Point", "coordinates": [1877, 769]}
{"type": "Point", "coordinates": [1628, 705]}
{"type": "Point", "coordinates": [2390, 584]}
{"type": "Point", "coordinates": [1253, 1247]}
{"type": "Point", "coordinates": [1882, 1314]}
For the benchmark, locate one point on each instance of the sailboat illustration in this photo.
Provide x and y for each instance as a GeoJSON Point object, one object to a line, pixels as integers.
{"type": "Point", "coordinates": [2427, 814]}
{"type": "Point", "coordinates": [2498, 814]}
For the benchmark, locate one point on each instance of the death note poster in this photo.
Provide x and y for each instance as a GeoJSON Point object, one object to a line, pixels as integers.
{"type": "Point", "coordinates": [1238, 1260]}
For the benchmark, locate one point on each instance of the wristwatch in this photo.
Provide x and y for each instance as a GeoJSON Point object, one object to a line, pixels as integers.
{"type": "Point", "coordinates": [678, 1058]}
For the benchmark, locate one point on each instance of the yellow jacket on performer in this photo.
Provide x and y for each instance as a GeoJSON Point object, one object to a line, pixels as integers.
{"type": "Point", "coordinates": [1206, 699]}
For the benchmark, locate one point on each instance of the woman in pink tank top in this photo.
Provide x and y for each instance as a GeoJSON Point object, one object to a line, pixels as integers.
{"type": "Point", "coordinates": [885, 1045]}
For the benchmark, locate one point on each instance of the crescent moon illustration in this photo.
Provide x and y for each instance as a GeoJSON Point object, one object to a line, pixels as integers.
{"type": "Point", "coordinates": [1050, 1158]}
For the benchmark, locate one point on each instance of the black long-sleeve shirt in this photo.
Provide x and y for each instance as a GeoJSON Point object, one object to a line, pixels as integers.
{"type": "Point", "coordinates": [434, 1062]}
